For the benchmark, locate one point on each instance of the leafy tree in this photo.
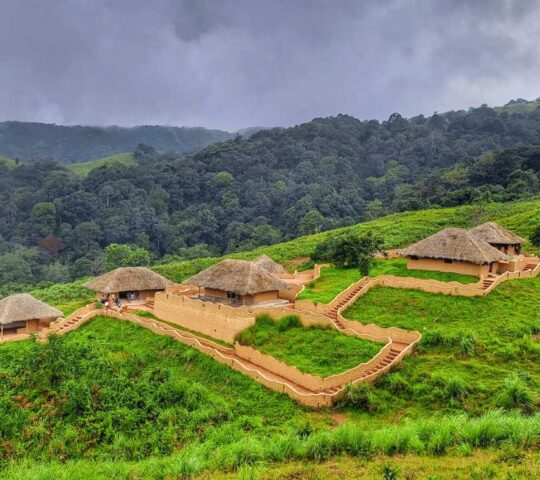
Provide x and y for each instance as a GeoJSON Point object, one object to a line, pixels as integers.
{"type": "Point", "coordinates": [246, 192]}
{"type": "Point", "coordinates": [14, 269]}
{"type": "Point", "coordinates": [43, 218]}
{"type": "Point", "coordinates": [312, 222]}
{"type": "Point", "coordinates": [349, 251]}
{"type": "Point", "coordinates": [120, 255]}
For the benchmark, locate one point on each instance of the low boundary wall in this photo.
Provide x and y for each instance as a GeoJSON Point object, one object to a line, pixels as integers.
{"type": "Point", "coordinates": [306, 380]}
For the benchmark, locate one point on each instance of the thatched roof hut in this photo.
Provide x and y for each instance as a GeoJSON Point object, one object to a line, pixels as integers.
{"type": "Point", "coordinates": [238, 276]}
{"type": "Point", "coordinates": [269, 265]}
{"type": "Point", "coordinates": [128, 279]}
{"type": "Point", "coordinates": [24, 307]}
{"type": "Point", "coordinates": [455, 244]}
{"type": "Point", "coordinates": [495, 234]}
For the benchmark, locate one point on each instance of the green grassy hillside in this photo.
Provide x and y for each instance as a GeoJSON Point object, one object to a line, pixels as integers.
{"type": "Point", "coordinates": [6, 162]}
{"type": "Point", "coordinates": [518, 107]}
{"type": "Point", "coordinates": [116, 401]}
{"type": "Point", "coordinates": [83, 169]}
{"type": "Point", "coordinates": [112, 400]}
{"type": "Point", "coordinates": [397, 230]}
{"type": "Point", "coordinates": [473, 350]}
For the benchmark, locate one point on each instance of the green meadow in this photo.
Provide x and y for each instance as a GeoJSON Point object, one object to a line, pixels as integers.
{"type": "Point", "coordinates": [315, 350]}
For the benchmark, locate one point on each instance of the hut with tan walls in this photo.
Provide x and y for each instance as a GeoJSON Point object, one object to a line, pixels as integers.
{"type": "Point", "coordinates": [129, 283]}
{"type": "Point", "coordinates": [22, 313]}
{"type": "Point", "coordinates": [499, 237]}
{"type": "Point", "coordinates": [454, 250]}
{"type": "Point", "coordinates": [238, 282]}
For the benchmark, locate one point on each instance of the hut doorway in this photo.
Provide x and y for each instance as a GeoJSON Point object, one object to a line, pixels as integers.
{"type": "Point", "coordinates": [130, 296]}
{"type": "Point", "coordinates": [234, 298]}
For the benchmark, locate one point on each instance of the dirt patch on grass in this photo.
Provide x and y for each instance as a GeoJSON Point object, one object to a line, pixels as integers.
{"type": "Point", "coordinates": [338, 418]}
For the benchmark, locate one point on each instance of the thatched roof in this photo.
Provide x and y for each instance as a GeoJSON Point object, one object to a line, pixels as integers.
{"type": "Point", "coordinates": [21, 307]}
{"type": "Point", "coordinates": [238, 276]}
{"type": "Point", "coordinates": [455, 244]}
{"type": "Point", "coordinates": [127, 279]}
{"type": "Point", "coordinates": [493, 233]}
{"type": "Point", "coordinates": [268, 264]}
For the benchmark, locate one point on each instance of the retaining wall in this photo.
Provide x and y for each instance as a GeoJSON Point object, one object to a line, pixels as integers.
{"type": "Point", "coordinates": [306, 380]}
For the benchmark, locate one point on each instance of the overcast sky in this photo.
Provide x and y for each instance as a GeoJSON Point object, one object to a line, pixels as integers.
{"type": "Point", "coordinates": [236, 63]}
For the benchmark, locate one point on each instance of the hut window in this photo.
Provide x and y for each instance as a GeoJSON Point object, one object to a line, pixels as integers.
{"type": "Point", "coordinates": [447, 260]}
{"type": "Point", "coordinates": [233, 296]}
{"type": "Point", "coordinates": [414, 257]}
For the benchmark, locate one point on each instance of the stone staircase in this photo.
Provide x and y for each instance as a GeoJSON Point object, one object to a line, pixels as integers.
{"type": "Point", "coordinates": [333, 312]}
{"type": "Point", "coordinates": [383, 362]}
{"type": "Point", "coordinates": [488, 281]}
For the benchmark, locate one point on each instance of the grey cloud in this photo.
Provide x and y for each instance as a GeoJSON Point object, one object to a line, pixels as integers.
{"type": "Point", "coordinates": [236, 63]}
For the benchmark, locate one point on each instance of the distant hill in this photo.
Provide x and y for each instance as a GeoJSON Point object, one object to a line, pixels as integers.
{"type": "Point", "coordinates": [519, 105]}
{"type": "Point", "coordinates": [6, 162]}
{"type": "Point", "coordinates": [248, 132]}
{"type": "Point", "coordinates": [83, 169]}
{"type": "Point", "coordinates": [30, 142]}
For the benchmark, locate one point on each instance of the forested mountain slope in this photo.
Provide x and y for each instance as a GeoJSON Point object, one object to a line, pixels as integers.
{"type": "Point", "coordinates": [31, 142]}
{"type": "Point", "coordinates": [244, 193]}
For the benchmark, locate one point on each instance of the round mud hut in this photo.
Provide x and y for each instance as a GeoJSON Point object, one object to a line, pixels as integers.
{"type": "Point", "coordinates": [454, 250]}
{"type": "Point", "coordinates": [499, 237]}
{"type": "Point", "coordinates": [22, 313]}
{"type": "Point", "coordinates": [238, 282]}
{"type": "Point", "coordinates": [129, 284]}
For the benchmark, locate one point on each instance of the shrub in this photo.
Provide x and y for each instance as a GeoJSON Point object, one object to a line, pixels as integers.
{"type": "Point", "coordinates": [457, 388]}
{"type": "Point", "coordinates": [395, 382]}
{"type": "Point", "coordinates": [467, 345]}
{"type": "Point", "coordinates": [389, 473]}
{"type": "Point", "coordinates": [434, 338]}
{"type": "Point", "coordinates": [353, 440]}
{"type": "Point", "coordinates": [515, 395]}
{"type": "Point", "coordinates": [360, 396]}
{"type": "Point", "coordinates": [288, 322]}
{"type": "Point", "coordinates": [284, 447]}
{"type": "Point", "coordinates": [319, 446]}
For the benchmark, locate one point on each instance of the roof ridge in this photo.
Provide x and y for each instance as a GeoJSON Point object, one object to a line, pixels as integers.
{"type": "Point", "coordinates": [475, 241]}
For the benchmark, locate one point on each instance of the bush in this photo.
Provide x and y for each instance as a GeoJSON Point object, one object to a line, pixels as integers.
{"type": "Point", "coordinates": [515, 395]}
{"type": "Point", "coordinates": [288, 322]}
{"type": "Point", "coordinates": [467, 345]}
{"type": "Point", "coordinates": [359, 396]}
{"type": "Point", "coordinates": [457, 388]}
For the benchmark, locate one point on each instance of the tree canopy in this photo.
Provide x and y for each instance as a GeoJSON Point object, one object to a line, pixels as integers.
{"type": "Point", "coordinates": [274, 186]}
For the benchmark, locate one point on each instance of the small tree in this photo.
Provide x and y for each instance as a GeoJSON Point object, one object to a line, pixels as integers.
{"type": "Point", "coordinates": [350, 251]}
{"type": "Point", "coordinates": [535, 238]}
{"type": "Point", "coordinates": [121, 255]}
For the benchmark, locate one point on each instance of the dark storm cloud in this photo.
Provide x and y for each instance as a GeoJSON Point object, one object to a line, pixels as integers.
{"type": "Point", "coordinates": [237, 63]}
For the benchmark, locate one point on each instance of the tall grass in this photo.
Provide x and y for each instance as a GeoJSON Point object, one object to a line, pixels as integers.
{"type": "Point", "coordinates": [435, 436]}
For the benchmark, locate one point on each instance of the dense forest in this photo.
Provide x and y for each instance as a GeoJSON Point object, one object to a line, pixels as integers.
{"type": "Point", "coordinates": [31, 142]}
{"type": "Point", "coordinates": [280, 183]}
